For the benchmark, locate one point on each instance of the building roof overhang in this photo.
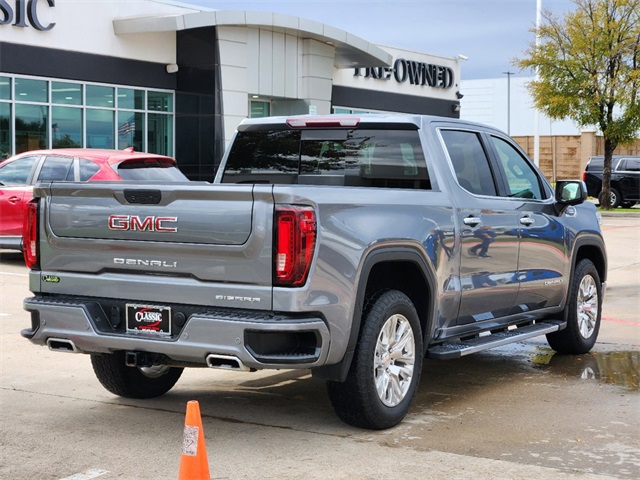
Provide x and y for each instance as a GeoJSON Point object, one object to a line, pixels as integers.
{"type": "Point", "coordinates": [351, 51]}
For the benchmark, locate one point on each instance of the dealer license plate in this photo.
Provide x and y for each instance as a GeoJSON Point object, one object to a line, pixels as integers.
{"type": "Point", "coordinates": [149, 318]}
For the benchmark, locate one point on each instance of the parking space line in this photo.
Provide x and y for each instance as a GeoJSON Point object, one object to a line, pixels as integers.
{"type": "Point", "coordinates": [15, 274]}
{"type": "Point", "coordinates": [87, 474]}
{"type": "Point", "coordinates": [619, 320]}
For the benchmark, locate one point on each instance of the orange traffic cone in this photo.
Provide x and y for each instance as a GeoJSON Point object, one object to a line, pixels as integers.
{"type": "Point", "coordinates": [194, 464]}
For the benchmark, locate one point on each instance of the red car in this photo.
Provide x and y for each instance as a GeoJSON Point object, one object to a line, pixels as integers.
{"type": "Point", "coordinates": [19, 173]}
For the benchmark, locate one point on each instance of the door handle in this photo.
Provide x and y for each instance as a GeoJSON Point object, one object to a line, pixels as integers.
{"type": "Point", "coordinates": [527, 221]}
{"type": "Point", "coordinates": [471, 221]}
{"type": "Point", "coordinates": [13, 200]}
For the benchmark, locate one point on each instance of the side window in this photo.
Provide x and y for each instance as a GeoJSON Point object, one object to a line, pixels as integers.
{"type": "Point", "coordinates": [17, 172]}
{"type": "Point", "coordinates": [470, 162]}
{"type": "Point", "coordinates": [632, 165]}
{"type": "Point", "coordinates": [522, 180]}
{"type": "Point", "coordinates": [56, 169]}
{"type": "Point", "coordinates": [87, 169]}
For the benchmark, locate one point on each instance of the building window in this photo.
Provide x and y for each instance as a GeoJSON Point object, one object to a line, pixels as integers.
{"type": "Point", "coordinates": [5, 130]}
{"type": "Point", "coordinates": [31, 127]}
{"type": "Point", "coordinates": [355, 111]}
{"type": "Point", "coordinates": [99, 96]}
{"type": "Point", "coordinates": [160, 102]}
{"type": "Point", "coordinates": [66, 127]}
{"type": "Point", "coordinates": [28, 90]}
{"type": "Point", "coordinates": [5, 88]}
{"type": "Point", "coordinates": [260, 109]}
{"type": "Point", "coordinates": [160, 134]}
{"type": "Point", "coordinates": [131, 99]}
{"type": "Point", "coordinates": [6, 136]}
{"type": "Point", "coordinates": [64, 93]}
{"type": "Point", "coordinates": [131, 130]}
{"type": "Point", "coordinates": [61, 114]}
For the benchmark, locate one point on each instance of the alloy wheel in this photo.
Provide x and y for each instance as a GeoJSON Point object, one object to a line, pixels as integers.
{"type": "Point", "coordinates": [394, 360]}
{"type": "Point", "coordinates": [587, 308]}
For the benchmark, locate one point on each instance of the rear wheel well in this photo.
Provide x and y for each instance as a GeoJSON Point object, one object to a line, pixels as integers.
{"type": "Point", "coordinates": [404, 276]}
{"type": "Point", "coordinates": [594, 254]}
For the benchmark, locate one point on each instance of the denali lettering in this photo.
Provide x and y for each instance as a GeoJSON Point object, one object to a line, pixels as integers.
{"type": "Point", "coordinates": [145, 263]}
{"type": "Point", "coordinates": [146, 224]}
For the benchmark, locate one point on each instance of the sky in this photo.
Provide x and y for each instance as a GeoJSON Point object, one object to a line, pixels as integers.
{"type": "Point", "coordinates": [492, 33]}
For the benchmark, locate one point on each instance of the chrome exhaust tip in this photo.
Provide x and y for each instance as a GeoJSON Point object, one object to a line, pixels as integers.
{"type": "Point", "coordinates": [226, 362]}
{"type": "Point", "coordinates": [62, 345]}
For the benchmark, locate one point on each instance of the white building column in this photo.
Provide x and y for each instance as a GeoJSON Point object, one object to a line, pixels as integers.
{"type": "Point", "coordinates": [316, 80]}
{"type": "Point", "coordinates": [234, 58]}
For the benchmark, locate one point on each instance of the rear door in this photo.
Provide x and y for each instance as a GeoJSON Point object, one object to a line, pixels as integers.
{"type": "Point", "coordinates": [56, 168]}
{"type": "Point", "coordinates": [489, 230]}
{"type": "Point", "coordinates": [629, 179]}
{"type": "Point", "coordinates": [15, 191]}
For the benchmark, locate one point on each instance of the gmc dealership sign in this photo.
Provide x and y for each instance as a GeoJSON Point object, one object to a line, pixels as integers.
{"type": "Point", "coordinates": [23, 13]}
{"type": "Point", "coordinates": [417, 73]}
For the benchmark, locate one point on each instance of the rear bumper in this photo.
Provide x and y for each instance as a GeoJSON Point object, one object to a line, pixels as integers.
{"type": "Point", "coordinates": [261, 340]}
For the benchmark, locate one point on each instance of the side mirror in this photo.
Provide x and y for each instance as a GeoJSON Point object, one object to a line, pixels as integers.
{"type": "Point", "coordinates": [571, 192]}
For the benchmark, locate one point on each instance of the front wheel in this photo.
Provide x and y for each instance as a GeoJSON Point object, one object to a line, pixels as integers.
{"type": "Point", "coordinates": [385, 371]}
{"type": "Point", "coordinates": [583, 312]}
{"type": "Point", "coordinates": [133, 382]}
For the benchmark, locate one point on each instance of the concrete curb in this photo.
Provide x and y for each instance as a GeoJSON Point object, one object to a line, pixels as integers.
{"type": "Point", "coordinates": [606, 214]}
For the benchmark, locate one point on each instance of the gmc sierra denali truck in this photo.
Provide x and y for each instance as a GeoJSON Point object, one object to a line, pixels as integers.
{"type": "Point", "coordinates": [353, 246]}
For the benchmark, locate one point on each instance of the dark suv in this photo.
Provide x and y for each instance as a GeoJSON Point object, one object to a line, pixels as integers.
{"type": "Point", "coordinates": [625, 179]}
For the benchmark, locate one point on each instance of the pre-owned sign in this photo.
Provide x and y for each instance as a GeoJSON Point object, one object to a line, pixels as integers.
{"type": "Point", "coordinates": [22, 12]}
{"type": "Point", "coordinates": [417, 73]}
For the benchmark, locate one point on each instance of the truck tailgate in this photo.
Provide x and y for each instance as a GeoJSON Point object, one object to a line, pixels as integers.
{"type": "Point", "coordinates": [199, 234]}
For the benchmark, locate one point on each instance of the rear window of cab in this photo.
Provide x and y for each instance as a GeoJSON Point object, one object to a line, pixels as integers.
{"type": "Point", "coordinates": [351, 157]}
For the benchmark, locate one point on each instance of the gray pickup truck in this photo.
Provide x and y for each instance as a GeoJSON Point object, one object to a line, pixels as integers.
{"type": "Point", "coordinates": [353, 246]}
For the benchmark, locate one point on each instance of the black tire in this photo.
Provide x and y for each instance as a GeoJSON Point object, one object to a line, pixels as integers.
{"type": "Point", "coordinates": [133, 382]}
{"type": "Point", "coordinates": [583, 325]}
{"type": "Point", "coordinates": [616, 198]}
{"type": "Point", "coordinates": [357, 400]}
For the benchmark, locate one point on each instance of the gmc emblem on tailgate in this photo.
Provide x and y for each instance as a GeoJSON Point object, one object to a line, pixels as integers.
{"type": "Point", "coordinates": [146, 224]}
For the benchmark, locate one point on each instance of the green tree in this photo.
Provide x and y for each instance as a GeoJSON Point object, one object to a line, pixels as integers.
{"type": "Point", "coordinates": [587, 64]}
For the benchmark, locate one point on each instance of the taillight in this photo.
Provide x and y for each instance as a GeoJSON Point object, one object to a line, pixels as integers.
{"type": "Point", "coordinates": [295, 240]}
{"type": "Point", "coordinates": [584, 176]}
{"type": "Point", "coordinates": [30, 235]}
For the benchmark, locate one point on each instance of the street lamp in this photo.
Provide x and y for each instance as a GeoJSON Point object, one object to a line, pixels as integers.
{"type": "Point", "coordinates": [508, 74]}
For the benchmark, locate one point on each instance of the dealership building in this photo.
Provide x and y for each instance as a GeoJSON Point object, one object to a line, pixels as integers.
{"type": "Point", "coordinates": [175, 79]}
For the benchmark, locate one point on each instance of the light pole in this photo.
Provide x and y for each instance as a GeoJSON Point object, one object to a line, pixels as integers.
{"type": "Point", "coordinates": [508, 74]}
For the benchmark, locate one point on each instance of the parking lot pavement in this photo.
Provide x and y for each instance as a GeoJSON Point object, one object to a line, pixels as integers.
{"type": "Point", "coordinates": [621, 317]}
{"type": "Point", "coordinates": [517, 412]}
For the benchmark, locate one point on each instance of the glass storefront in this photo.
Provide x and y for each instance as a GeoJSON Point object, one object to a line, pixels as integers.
{"type": "Point", "coordinates": [40, 113]}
